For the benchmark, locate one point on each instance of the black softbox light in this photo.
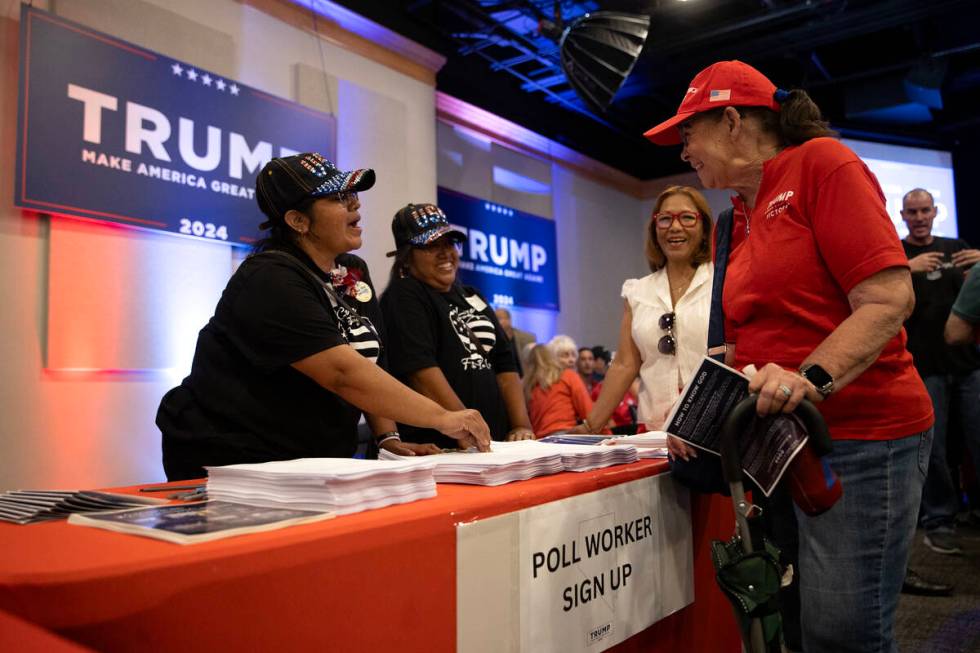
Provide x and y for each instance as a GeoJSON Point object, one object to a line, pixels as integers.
{"type": "Point", "coordinates": [598, 52]}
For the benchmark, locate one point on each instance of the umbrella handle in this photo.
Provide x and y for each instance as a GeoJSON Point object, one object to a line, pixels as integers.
{"type": "Point", "coordinates": [731, 465]}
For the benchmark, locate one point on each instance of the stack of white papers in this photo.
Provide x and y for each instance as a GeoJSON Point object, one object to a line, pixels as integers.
{"type": "Point", "coordinates": [339, 485]}
{"type": "Point", "coordinates": [652, 444]}
{"type": "Point", "coordinates": [519, 461]}
{"type": "Point", "coordinates": [502, 464]}
{"type": "Point", "coordinates": [579, 457]}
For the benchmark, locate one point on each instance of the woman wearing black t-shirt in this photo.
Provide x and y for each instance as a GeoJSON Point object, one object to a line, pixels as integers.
{"type": "Point", "coordinates": [444, 339]}
{"type": "Point", "coordinates": [288, 361]}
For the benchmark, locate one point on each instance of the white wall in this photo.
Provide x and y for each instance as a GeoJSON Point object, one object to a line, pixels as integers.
{"type": "Point", "coordinates": [600, 244]}
{"type": "Point", "coordinates": [84, 429]}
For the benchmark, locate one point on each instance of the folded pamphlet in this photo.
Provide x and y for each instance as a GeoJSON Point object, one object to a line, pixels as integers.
{"type": "Point", "coordinates": [768, 445]}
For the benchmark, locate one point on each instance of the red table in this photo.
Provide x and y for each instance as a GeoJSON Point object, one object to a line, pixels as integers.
{"type": "Point", "coordinates": [381, 580]}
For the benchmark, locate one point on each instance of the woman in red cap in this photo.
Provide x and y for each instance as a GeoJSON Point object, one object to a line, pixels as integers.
{"type": "Point", "coordinates": [816, 289]}
{"type": "Point", "coordinates": [294, 351]}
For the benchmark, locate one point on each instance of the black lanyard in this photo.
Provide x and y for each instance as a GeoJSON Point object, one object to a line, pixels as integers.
{"type": "Point", "coordinates": [716, 319]}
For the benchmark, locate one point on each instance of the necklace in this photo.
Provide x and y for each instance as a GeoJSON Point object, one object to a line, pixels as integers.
{"type": "Point", "coordinates": [679, 288]}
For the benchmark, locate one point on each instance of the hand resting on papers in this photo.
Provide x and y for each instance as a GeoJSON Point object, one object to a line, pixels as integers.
{"type": "Point", "coordinates": [466, 426]}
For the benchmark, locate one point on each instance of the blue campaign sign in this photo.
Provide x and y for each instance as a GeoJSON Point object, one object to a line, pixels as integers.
{"type": "Point", "coordinates": [509, 255]}
{"type": "Point", "coordinates": [111, 131]}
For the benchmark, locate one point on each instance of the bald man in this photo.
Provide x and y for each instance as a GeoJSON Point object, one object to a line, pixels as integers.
{"type": "Point", "coordinates": [938, 269]}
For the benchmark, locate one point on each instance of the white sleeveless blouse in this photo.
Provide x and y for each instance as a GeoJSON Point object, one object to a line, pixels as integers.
{"type": "Point", "coordinates": [662, 375]}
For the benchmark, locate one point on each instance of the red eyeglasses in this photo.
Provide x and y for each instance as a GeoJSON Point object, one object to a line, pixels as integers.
{"type": "Point", "coordinates": [664, 219]}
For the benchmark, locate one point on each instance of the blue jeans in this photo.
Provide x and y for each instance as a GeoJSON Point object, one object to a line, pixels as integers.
{"type": "Point", "coordinates": [940, 499]}
{"type": "Point", "coordinates": [853, 557]}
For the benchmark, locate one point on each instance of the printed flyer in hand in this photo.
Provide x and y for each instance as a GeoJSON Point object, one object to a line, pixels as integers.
{"type": "Point", "coordinates": [767, 446]}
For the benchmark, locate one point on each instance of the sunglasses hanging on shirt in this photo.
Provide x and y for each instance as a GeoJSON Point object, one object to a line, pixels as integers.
{"type": "Point", "coordinates": [667, 344]}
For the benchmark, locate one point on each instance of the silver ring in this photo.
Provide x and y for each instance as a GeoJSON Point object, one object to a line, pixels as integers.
{"type": "Point", "coordinates": [786, 390]}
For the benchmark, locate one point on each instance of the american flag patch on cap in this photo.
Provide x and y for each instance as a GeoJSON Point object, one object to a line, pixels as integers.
{"type": "Point", "coordinates": [720, 96]}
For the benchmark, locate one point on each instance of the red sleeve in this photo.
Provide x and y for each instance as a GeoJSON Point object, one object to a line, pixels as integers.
{"type": "Point", "coordinates": [580, 396]}
{"type": "Point", "coordinates": [854, 234]}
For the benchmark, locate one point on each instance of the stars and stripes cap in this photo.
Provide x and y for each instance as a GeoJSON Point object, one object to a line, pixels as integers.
{"type": "Point", "coordinates": [722, 84]}
{"type": "Point", "coordinates": [418, 225]}
{"type": "Point", "coordinates": [284, 183]}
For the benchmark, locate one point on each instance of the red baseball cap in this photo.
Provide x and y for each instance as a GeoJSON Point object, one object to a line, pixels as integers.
{"type": "Point", "coordinates": [722, 84]}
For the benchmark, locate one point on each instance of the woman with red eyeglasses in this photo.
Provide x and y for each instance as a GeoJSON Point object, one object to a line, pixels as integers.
{"type": "Point", "coordinates": [665, 314]}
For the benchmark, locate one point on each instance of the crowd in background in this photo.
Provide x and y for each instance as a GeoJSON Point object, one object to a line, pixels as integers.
{"type": "Point", "coordinates": [561, 384]}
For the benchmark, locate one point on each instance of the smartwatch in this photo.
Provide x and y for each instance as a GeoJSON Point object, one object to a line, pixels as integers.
{"type": "Point", "coordinates": [819, 377]}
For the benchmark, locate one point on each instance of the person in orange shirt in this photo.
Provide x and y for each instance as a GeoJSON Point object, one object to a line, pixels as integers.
{"type": "Point", "coordinates": [556, 397]}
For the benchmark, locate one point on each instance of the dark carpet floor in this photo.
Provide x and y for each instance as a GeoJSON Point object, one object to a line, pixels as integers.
{"type": "Point", "coordinates": [944, 624]}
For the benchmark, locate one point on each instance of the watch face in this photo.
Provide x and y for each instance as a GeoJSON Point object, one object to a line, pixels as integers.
{"type": "Point", "coordinates": [818, 376]}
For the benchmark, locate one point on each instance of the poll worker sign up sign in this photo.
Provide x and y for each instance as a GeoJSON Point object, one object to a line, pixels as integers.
{"type": "Point", "coordinates": [509, 255]}
{"type": "Point", "coordinates": [108, 130]}
{"type": "Point", "coordinates": [579, 574]}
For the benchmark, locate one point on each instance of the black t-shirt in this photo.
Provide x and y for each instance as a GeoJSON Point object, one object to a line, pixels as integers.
{"type": "Point", "coordinates": [243, 402]}
{"type": "Point", "coordinates": [428, 328]}
{"type": "Point", "coordinates": [935, 293]}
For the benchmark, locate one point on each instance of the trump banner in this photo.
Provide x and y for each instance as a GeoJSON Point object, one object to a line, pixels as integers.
{"type": "Point", "coordinates": [108, 130]}
{"type": "Point", "coordinates": [509, 256]}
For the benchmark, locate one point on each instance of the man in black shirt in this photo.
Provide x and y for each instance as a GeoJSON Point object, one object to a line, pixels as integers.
{"type": "Point", "coordinates": [938, 268]}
